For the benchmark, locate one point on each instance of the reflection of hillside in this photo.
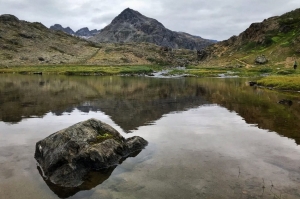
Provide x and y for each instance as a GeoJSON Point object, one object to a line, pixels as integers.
{"type": "Point", "coordinates": [34, 96]}
{"type": "Point", "coordinates": [131, 102]}
{"type": "Point", "coordinates": [145, 100]}
{"type": "Point", "coordinates": [130, 114]}
{"type": "Point", "coordinates": [257, 106]}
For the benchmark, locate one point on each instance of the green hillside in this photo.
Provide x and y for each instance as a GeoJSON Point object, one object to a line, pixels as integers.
{"type": "Point", "coordinates": [277, 38]}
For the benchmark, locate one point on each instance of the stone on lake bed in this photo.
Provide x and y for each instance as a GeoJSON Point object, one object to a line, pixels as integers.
{"type": "Point", "coordinates": [67, 156]}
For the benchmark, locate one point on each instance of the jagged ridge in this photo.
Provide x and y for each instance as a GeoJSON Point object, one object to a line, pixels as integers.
{"type": "Point", "coordinates": [83, 32]}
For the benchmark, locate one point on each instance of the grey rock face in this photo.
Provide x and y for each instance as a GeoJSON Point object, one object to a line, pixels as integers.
{"type": "Point", "coordinates": [59, 27]}
{"type": "Point", "coordinates": [66, 156]}
{"type": "Point", "coordinates": [83, 32]}
{"type": "Point", "coordinates": [131, 26]}
{"type": "Point", "coordinates": [94, 32]}
{"type": "Point", "coordinates": [261, 59]}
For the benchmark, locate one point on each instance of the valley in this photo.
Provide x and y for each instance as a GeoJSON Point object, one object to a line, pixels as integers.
{"type": "Point", "coordinates": [136, 44]}
{"type": "Point", "coordinates": [218, 119]}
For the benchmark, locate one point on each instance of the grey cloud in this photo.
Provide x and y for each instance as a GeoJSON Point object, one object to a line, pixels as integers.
{"type": "Point", "coordinates": [215, 19]}
{"type": "Point", "coordinates": [219, 19]}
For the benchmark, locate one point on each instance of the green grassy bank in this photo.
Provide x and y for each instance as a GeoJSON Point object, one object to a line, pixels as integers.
{"type": "Point", "coordinates": [80, 70]}
{"type": "Point", "coordinates": [278, 78]}
{"type": "Point", "coordinates": [281, 82]}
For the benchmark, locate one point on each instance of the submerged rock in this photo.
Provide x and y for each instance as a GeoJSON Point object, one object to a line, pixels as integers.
{"type": "Point", "coordinates": [286, 102]}
{"type": "Point", "coordinates": [251, 83]}
{"type": "Point", "coordinates": [68, 155]}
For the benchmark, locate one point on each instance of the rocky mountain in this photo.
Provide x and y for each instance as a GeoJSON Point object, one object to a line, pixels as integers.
{"type": "Point", "coordinates": [276, 39]}
{"type": "Point", "coordinates": [83, 32]}
{"type": "Point", "coordinates": [25, 43]}
{"type": "Point", "coordinates": [131, 26]}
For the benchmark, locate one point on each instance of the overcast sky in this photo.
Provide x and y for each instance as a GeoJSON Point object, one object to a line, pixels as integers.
{"type": "Point", "coordinates": [212, 19]}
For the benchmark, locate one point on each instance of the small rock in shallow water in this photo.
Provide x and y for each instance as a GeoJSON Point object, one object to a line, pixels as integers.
{"type": "Point", "coordinates": [252, 83]}
{"type": "Point", "coordinates": [286, 102]}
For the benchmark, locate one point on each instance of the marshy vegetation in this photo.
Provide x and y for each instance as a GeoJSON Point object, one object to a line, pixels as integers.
{"type": "Point", "coordinates": [269, 76]}
{"type": "Point", "coordinates": [281, 82]}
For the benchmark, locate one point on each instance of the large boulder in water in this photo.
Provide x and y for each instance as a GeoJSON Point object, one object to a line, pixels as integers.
{"type": "Point", "coordinates": [68, 155]}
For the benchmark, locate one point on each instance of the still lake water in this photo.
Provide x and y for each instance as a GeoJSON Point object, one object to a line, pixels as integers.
{"type": "Point", "coordinates": [208, 137]}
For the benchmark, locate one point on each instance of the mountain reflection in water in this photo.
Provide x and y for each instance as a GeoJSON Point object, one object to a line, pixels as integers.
{"type": "Point", "coordinates": [132, 102]}
{"type": "Point", "coordinates": [204, 140]}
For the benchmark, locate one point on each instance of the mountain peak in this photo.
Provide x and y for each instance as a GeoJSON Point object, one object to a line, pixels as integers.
{"type": "Point", "coordinates": [127, 15]}
{"type": "Point", "coordinates": [57, 25]}
{"type": "Point", "coordinates": [132, 26]}
{"type": "Point", "coordinates": [129, 11]}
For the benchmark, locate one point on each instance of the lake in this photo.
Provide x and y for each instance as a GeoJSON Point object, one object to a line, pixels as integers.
{"type": "Point", "coordinates": [208, 137]}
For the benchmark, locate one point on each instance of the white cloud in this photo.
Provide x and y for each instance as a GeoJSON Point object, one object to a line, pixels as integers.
{"type": "Point", "coordinates": [215, 19]}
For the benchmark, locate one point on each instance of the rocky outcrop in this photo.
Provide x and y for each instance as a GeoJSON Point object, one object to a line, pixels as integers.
{"type": "Point", "coordinates": [67, 156]}
{"type": "Point", "coordinates": [261, 59]}
{"type": "Point", "coordinates": [201, 54]}
{"type": "Point", "coordinates": [8, 17]}
{"type": "Point", "coordinates": [131, 26]}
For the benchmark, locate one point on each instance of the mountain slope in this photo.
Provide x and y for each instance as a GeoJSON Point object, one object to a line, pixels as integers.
{"type": "Point", "coordinates": [25, 43]}
{"type": "Point", "coordinates": [131, 26]}
{"type": "Point", "coordinates": [276, 38]}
